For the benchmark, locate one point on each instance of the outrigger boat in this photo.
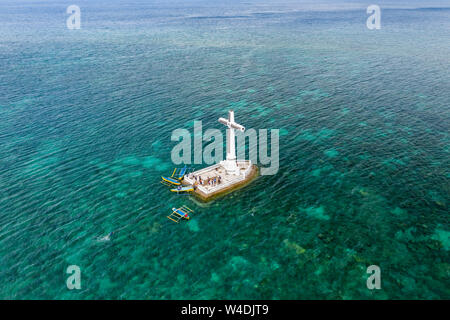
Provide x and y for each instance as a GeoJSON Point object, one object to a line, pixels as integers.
{"type": "Point", "coordinates": [180, 213]}
{"type": "Point", "coordinates": [175, 178]}
{"type": "Point", "coordinates": [179, 189]}
{"type": "Point", "coordinates": [170, 181]}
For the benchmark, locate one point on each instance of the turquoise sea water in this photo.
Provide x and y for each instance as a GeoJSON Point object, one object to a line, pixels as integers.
{"type": "Point", "coordinates": [86, 118]}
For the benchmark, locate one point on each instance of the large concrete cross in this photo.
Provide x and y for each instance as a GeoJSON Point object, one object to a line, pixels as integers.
{"type": "Point", "coordinates": [230, 162]}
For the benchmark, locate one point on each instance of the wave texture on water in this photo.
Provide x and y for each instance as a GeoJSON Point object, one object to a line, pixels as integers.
{"type": "Point", "coordinates": [87, 116]}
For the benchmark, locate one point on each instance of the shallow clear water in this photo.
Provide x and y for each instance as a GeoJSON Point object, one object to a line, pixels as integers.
{"type": "Point", "coordinates": [86, 118]}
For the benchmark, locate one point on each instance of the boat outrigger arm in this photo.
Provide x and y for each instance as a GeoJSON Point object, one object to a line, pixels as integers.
{"type": "Point", "coordinates": [180, 213]}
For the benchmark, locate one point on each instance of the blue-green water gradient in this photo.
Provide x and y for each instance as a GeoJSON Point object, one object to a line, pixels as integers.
{"type": "Point", "coordinates": [85, 123]}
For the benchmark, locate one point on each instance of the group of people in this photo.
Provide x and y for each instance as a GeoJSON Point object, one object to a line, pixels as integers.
{"type": "Point", "coordinates": [212, 181]}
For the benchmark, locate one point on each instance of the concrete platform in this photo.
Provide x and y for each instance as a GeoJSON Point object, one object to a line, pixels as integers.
{"type": "Point", "coordinates": [229, 182]}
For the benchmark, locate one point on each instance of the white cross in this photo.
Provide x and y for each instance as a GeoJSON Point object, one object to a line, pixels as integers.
{"type": "Point", "coordinates": [230, 164]}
